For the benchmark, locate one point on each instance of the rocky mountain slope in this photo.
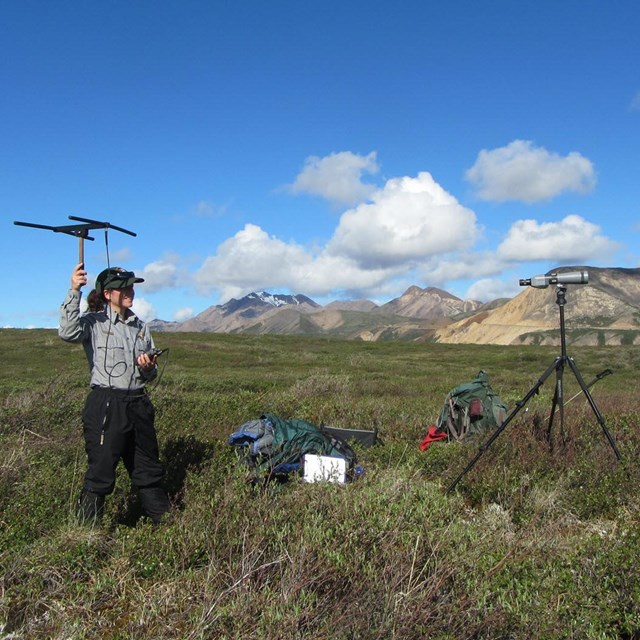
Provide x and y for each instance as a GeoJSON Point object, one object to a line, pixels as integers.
{"type": "Point", "coordinates": [414, 315]}
{"type": "Point", "coordinates": [428, 303]}
{"type": "Point", "coordinates": [605, 311]}
{"type": "Point", "coordinates": [236, 315]}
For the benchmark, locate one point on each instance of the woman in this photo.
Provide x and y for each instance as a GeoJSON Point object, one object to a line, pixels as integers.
{"type": "Point", "coordinates": [118, 417]}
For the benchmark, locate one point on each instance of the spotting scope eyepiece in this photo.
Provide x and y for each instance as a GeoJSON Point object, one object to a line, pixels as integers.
{"type": "Point", "coordinates": [568, 277]}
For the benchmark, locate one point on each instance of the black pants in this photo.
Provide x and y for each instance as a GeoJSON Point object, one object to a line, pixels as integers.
{"type": "Point", "coordinates": [120, 426]}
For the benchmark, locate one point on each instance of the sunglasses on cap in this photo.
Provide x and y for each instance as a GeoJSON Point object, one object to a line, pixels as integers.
{"type": "Point", "coordinates": [116, 278]}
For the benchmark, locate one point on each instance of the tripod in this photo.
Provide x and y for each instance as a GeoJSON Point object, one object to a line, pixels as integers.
{"type": "Point", "coordinates": [558, 365]}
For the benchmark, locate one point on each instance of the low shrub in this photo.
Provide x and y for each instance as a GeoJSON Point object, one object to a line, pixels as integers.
{"type": "Point", "coordinates": [539, 539]}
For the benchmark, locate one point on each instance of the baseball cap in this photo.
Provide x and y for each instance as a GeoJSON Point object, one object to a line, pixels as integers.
{"type": "Point", "coordinates": [115, 278]}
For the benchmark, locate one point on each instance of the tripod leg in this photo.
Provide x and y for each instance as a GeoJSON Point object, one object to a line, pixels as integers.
{"type": "Point", "coordinates": [560, 387]}
{"type": "Point", "coordinates": [558, 405]}
{"type": "Point", "coordinates": [598, 377]}
{"type": "Point", "coordinates": [594, 407]}
{"type": "Point", "coordinates": [554, 408]}
{"type": "Point", "coordinates": [520, 405]}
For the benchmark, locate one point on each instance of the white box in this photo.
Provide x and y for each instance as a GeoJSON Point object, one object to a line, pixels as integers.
{"type": "Point", "coordinates": [324, 468]}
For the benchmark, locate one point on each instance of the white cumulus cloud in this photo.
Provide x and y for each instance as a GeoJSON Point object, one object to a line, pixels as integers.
{"type": "Point", "coordinates": [573, 239]}
{"type": "Point", "coordinates": [408, 229]}
{"type": "Point", "coordinates": [183, 314]}
{"type": "Point", "coordinates": [159, 275]}
{"type": "Point", "coordinates": [253, 260]}
{"type": "Point", "coordinates": [327, 273]}
{"type": "Point", "coordinates": [487, 289]}
{"type": "Point", "coordinates": [410, 219]}
{"type": "Point", "coordinates": [144, 309]}
{"type": "Point", "coordinates": [337, 177]}
{"type": "Point", "coordinates": [249, 261]}
{"type": "Point", "coordinates": [465, 266]}
{"type": "Point", "coordinates": [521, 171]}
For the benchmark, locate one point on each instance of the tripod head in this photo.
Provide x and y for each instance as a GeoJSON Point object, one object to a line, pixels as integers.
{"type": "Point", "coordinates": [568, 277]}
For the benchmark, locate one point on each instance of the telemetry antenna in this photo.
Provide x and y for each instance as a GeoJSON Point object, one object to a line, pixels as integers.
{"type": "Point", "coordinates": [80, 231]}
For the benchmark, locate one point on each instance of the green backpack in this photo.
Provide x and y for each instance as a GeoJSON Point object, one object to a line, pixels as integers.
{"type": "Point", "coordinates": [274, 446]}
{"type": "Point", "coordinates": [471, 408]}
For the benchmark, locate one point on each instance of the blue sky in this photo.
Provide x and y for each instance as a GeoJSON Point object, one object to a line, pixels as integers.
{"type": "Point", "coordinates": [343, 149]}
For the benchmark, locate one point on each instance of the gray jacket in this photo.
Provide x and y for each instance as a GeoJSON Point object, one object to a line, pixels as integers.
{"type": "Point", "coordinates": [111, 343]}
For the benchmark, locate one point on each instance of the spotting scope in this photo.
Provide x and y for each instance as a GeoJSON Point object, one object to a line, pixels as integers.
{"type": "Point", "coordinates": [568, 277]}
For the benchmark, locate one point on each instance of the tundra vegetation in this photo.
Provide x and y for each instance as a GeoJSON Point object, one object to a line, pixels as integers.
{"type": "Point", "coordinates": [541, 539]}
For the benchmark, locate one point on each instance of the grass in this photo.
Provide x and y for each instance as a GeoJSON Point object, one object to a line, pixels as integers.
{"type": "Point", "coordinates": [539, 540]}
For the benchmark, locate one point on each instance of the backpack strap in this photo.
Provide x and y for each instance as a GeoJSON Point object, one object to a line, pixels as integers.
{"type": "Point", "coordinates": [451, 425]}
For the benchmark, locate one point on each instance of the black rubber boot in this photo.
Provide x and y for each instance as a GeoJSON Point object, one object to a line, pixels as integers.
{"type": "Point", "coordinates": [90, 507]}
{"type": "Point", "coordinates": [155, 502]}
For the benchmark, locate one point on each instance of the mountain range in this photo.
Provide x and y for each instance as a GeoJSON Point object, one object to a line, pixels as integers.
{"type": "Point", "coordinates": [604, 311]}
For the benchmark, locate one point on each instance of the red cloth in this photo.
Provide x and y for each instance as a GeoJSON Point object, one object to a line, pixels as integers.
{"type": "Point", "coordinates": [433, 435]}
